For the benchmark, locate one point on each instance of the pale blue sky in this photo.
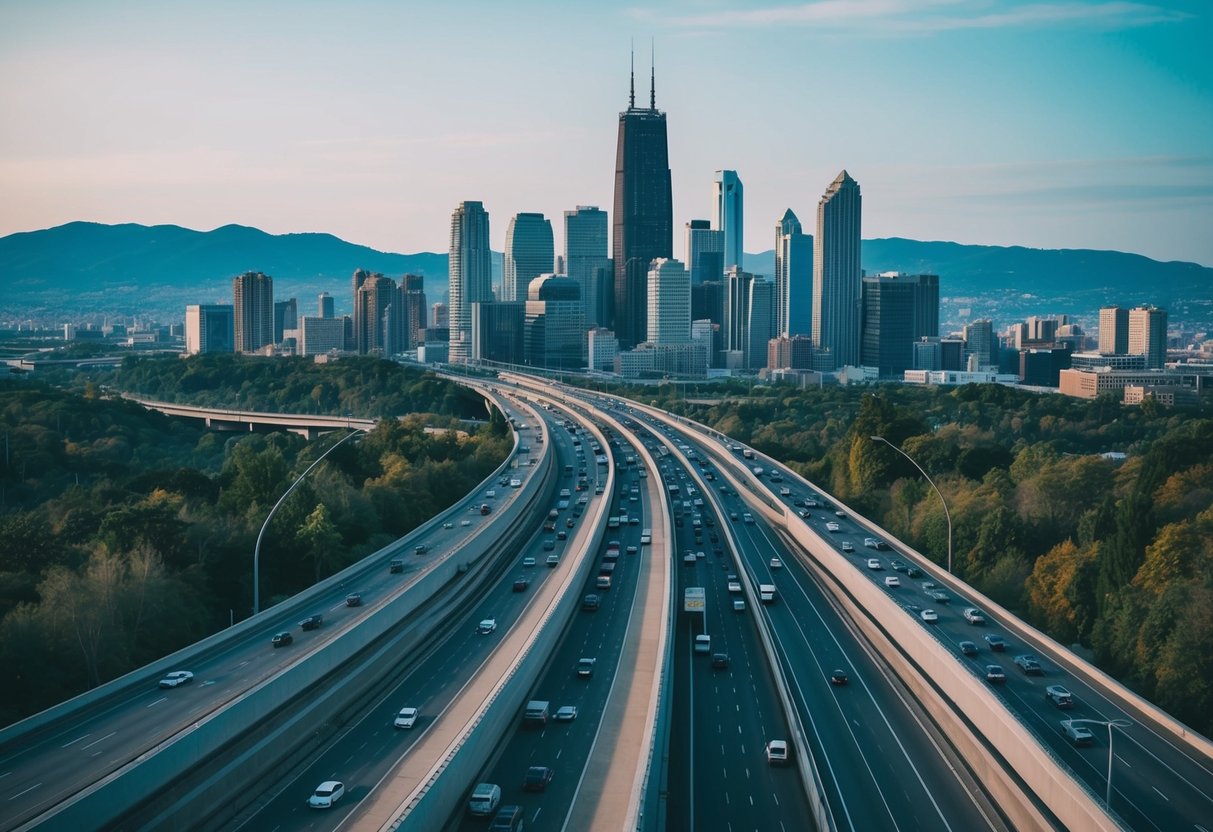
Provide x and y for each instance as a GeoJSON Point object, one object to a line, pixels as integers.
{"type": "Point", "coordinates": [1068, 123]}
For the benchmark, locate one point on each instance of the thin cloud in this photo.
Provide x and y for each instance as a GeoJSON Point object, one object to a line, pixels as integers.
{"type": "Point", "coordinates": [929, 16]}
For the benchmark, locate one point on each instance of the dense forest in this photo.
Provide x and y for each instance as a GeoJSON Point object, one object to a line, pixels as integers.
{"type": "Point", "coordinates": [1112, 554]}
{"type": "Point", "coordinates": [125, 535]}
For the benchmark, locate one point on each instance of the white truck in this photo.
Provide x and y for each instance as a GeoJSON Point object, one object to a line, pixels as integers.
{"type": "Point", "coordinates": [766, 593]}
{"type": "Point", "coordinates": [536, 712]}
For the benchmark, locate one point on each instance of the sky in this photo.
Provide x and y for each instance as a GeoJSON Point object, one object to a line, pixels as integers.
{"type": "Point", "coordinates": [1053, 124]}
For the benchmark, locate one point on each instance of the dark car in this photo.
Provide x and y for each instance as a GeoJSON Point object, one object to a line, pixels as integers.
{"type": "Point", "coordinates": [521, 584]}
{"type": "Point", "coordinates": [839, 677]}
{"type": "Point", "coordinates": [312, 622]}
{"type": "Point", "coordinates": [537, 778]}
{"type": "Point", "coordinates": [720, 661]}
{"type": "Point", "coordinates": [354, 599]}
{"type": "Point", "coordinates": [1029, 664]}
{"type": "Point", "coordinates": [282, 639]}
{"type": "Point", "coordinates": [996, 642]}
{"type": "Point", "coordinates": [396, 566]}
{"type": "Point", "coordinates": [968, 648]}
{"type": "Point", "coordinates": [589, 603]}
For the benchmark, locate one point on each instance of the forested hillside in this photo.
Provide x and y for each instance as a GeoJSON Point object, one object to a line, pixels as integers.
{"type": "Point", "coordinates": [125, 535]}
{"type": "Point", "coordinates": [1116, 556]}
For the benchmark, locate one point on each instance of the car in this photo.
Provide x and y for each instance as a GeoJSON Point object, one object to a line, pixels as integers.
{"type": "Point", "coordinates": [968, 648]}
{"type": "Point", "coordinates": [589, 603]}
{"type": "Point", "coordinates": [1080, 735]}
{"type": "Point", "coordinates": [508, 819]}
{"type": "Point", "coordinates": [537, 778]}
{"type": "Point", "coordinates": [720, 661]}
{"type": "Point", "coordinates": [1059, 696]}
{"type": "Point", "coordinates": [553, 561]}
{"type": "Point", "coordinates": [732, 515]}
{"type": "Point", "coordinates": [734, 586]}
{"type": "Point", "coordinates": [802, 513]}
{"type": "Point", "coordinates": [892, 582]}
{"type": "Point", "coordinates": [354, 599]}
{"type": "Point", "coordinates": [465, 523]}
{"type": "Point", "coordinates": [528, 561]}
{"type": "Point", "coordinates": [869, 542]}
{"type": "Point", "coordinates": [738, 605]}
{"type": "Point", "coordinates": [420, 549]}
{"type": "Point", "coordinates": [570, 523]}
{"type": "Point", "coordinates": [897, 565]}
{"type": "Point", "coordinates": [996, 642]}
{"type": "Point", "coordinates": [396, 566]}
{"type": "Point", "coordinates": [913, 572]}
{"type": "Point", "coordinates": [562, 535]}
{"type": "Point", "coordinates": [995, 674]}
{"type": "Point", "coordinates": [484, 799]}
{"type": "Point", "coordinates": [747, 518]}
{"type": "Point", "coordinates": [832, 527]}
{"type": "Point", "coordinates": [839, 677]}
{"type": "Point", "coordinates": [776, 563]}
{"type": "Point", "coordinates": [177, 677]}
{"type": "Point", "coordinates": [875, 565]}
{"type": "Point", "coordinates": [486, 626]}
{"type": "Point", "coordinates": [777, 752]}
{"type": "Point", "coordinates": [282, 639]}
{"type": "Point", "coordinates": [840, 513]}
{"type": "Point", "coordinates": [549, 545]}
{"type": "Point", "coordinates": [848, 546]}
{"type": "Point", "coordinates": [785, 491]}
{"type": "Point", "coordinates": [631, 550]}
{"type": "Point", "coordinates": [929, 616]}
{"type": "Point", "coordinates": [566, 713]}
{"type": "Point", "coordinates": [939, 596]}
{"type": "Point", "coordinates": [448, 525]}
{"type": "Point", "coordinates": [689, 558]}
{"type": "Point", "coordinates": [1029, 664]}
{"type": "Point", "coordinates": [407, 718]}
{"type": "Point", "coordinates": [585, 667]}
{"type": "Point", "coordinates": [326, 794]}
{"type": "Point", "coordinates": [521, 584]}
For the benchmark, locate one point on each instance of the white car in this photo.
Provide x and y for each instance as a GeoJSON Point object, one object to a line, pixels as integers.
{"type": "Point", "coordinates": [177, 677]}
{"type": "Point", "coordinates": [407, 718]}
{"type": "Point", "coordinates": [929, 616]}
{"type": "Point", "coordinates": [465, 522]}
{"type": "Point", "coordinates": [528, 561]}
{"type": "Point", "coordinates": [734, 586]}
{"type": "Point", "coordinates": [487, 626]}
{"type": "Point", "coordinates": [848, 546]}
{"type": "Point", "coordinates": [892, 582]}
{"type": "Point", "coordinates": [566, 713]}
{"type": "Point", "coordinates": [777, 752]}
{"type": "Point", "coordinates": [326, 794]}
{"type": "Point", "coordinates": [874, 564]}
{"type": "Point", "coordinates": [776, 563]}
{"type": "Point", "coordinates": [831, 527]}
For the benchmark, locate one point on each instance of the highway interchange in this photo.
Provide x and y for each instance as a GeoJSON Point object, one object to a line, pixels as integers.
{"type": "Point", "coordinates": [881, 761]}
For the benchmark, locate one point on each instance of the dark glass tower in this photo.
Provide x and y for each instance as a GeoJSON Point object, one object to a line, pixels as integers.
{"type": "Point", "coordinates": [643, 224]}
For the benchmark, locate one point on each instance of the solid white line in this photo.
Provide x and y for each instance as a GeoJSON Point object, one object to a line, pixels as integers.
{"type": "Point", "coordinates": [157, 702]}
{"type": "Point", "coordinates": [1160, 794]}
{"type": "Point", "coordinates": [94, 742]}
{"type": "Point", "coordinates": [27, 791]}
{"type": "Point", "coordinates": [76, 740]}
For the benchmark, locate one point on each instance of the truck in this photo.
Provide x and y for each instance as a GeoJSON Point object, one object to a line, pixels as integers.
{"type": "Point", "coordinates": [766, 593]}
{"type": "Point", "coordinates": [536, 712]}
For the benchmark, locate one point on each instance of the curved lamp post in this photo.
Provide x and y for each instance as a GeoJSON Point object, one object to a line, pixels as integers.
{"type": "Point", "coordinates": [274, 510]}
{"type": "Point", "coordinates": [947, 514]}
{"type": "Point", "coordinates": [1109, 723]}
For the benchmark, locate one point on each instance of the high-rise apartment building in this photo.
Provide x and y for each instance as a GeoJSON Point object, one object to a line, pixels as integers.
{"type": "Point", "coordinates": [643, 223]}
{"type": "Point", "coordinates": [704, 252]}
{"type": "Point", "coordinates": [980, 341]}
{"type": "Point", "coordinates": [793, 277]}
{"type": "Point", "coordinates": [209, 328]}
{"type": "Point", "coordinates": [321, 336]}
{"type": "Point", "coordinates": [1114, 330]}
{"type": "Point", "coordinates": [669, 303]}
{"type": "Point", "coordinates": [439, 316]}
{"type": "Point", "coordinates": [587, 261]}
{"type": "Point", "coordinates": [728, 196]}
{"type": "Point", "coordinates": [470, 274]}
{"type": "Point", "coordinates": [412, 289]}
{"type": "Point", "coordinates": [529, 252]}
{"type": "Point", "coordinates": [836, 272]}
{"type": "Point", "coordinates": [253, 311]}
{"type": "Point", "coordinates": [1148, 335]}
{"type": "Point", "coordinates": [377, 307]}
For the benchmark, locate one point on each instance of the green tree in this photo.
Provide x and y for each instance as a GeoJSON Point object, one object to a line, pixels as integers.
{"type": "Point", "coordinates": [319, 541]}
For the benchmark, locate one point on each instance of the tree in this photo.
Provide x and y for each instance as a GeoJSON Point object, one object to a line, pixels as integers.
{"type": "Point", "coordinates": [319, 540]}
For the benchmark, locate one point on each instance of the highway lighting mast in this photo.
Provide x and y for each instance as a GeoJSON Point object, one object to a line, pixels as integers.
{"type": "Point", "coordinates": [947, 514]}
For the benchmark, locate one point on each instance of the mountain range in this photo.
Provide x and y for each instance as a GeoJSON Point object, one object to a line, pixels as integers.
{"type": "Point", "coordinates": [89, 268]}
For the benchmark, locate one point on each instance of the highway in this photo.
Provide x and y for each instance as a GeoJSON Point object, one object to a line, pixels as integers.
{"type": "Point", "coordinates": [52, 765]}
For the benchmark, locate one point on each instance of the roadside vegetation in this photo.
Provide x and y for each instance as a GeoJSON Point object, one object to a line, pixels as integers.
{"type": "Point", "coordinates": [1115, 555]}
{"type": "Point", "coordinates": [126, 535]}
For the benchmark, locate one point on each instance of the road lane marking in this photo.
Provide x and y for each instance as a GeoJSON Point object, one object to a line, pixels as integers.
{"type": "Point", "coordinates": [157, 702]}
{"type": "Point", "coordinates": [76, 740]}
{"type": "Point", "coordinates": [1160, 794]}
{"type": "Point", "coordinates": [27, 791]}
{"type": "Point", "coordinates": [103, 739]}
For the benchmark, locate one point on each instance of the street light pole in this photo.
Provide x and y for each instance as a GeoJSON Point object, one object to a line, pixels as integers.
{"type": "Point", "coordinates": [1109, 724]}
{"type": "Point", "coordinates": [274, 510]}
{"type": "Point", "coordinates": [947, 514]}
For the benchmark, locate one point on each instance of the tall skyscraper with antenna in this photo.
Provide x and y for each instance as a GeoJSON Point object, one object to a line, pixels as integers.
{"type": "Point", "coordinates": [643, 222]}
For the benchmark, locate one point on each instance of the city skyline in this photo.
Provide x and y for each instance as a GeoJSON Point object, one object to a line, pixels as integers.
{"type": "Point", "coordinates": [1065, 125]}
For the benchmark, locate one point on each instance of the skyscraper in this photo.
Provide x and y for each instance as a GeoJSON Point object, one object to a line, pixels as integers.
{"type": "Point", "coordinates": [704, 252]}
{"type": "Point", "coordinates": [587, 261]}
{"type": "Point", "coordinates": [1148, 335]}
{"type": "Point", "coordinates": [209, 328]}
{"type": "Point", "coordinates": [529, 253]}
{"type": "Point", "coordinates": [324, 306]}
{"type": "Point", "coordinates": [979, 341]}
{"type": "Point", "coordinates": [253, 311]}
{"type": "Point", "coordinates": [727, 194]}
{"type": "Point", "coordinates": [669, 303]}
{"type": "Point", "coordinates": [470, 273]}
{"type": "Point", "coordinates": [736, 317]}
{"type": "Point", "coordinates": [412, 288]}
{"type": "Point", "coordinates": [760, 322]}
{"type": "Point", "coordinates": [836, 271]}
{"type": "Point", "coordinates": [643, 224]}
{"type": "Point", "coordinates": [793, 277]}
{"type": "Point", "coordinates": [1114, 330]}
{"type": "Point", "coordinates": [373, 298]}
{"type": "Point", "coordinates": [554, 329]}
{"type": "Point", "coordinates": [286, 316]}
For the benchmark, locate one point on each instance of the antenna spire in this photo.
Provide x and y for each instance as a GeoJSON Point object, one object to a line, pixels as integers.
{"type": "Point", "coordinates": [632, 93]}
{"type": "Point", "coordinates": [652, 76]}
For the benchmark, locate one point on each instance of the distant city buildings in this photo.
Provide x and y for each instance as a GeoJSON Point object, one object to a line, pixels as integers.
{"type": "Point", "coordinates": [210, 328]}
{"type": "Point", "coordinates": [793, 277]}
{"type": "Point", "coordinates": [728, 196]}
{"type": "Point", "coordinates": [587, 261]}
{"type": "Point", "coordinates": [704, 252]}
{"type": "Point", "coordinates": [837, 273]}
{"type": "Point", "coordinates": [470, 271]}
{"type": "Point", "coordinates": [1148, 335]}
{"type": "Point", "coordinates": [253, 312]}
{"type": "Point", "coordinates": [669, 302]}
{"type": "Point", "coordinates": [529, 252]}
{"type": "Point", "coordinates": [555, 333]}
{"type": "Point", "coordinates": [643, 221]}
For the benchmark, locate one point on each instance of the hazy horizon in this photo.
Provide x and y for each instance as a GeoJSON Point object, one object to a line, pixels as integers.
{"type": "Point", "coordinates": [1075, 124]}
